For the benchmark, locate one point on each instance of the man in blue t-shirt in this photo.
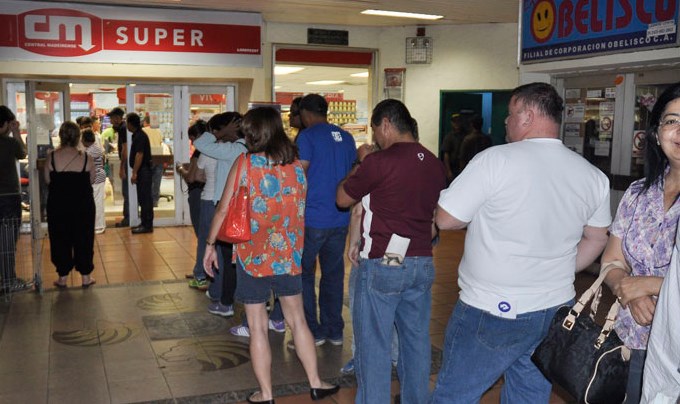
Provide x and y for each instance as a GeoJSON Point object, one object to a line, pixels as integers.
{"type": "Point", "coordinates": [327, 153]}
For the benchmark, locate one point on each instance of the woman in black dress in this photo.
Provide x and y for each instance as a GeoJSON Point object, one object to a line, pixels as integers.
{"type": "Point", "coordinates": [70, 207]}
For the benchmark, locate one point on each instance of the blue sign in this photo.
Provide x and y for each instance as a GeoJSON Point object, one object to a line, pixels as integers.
{"type": "Point", "coordinates": [560, 29]}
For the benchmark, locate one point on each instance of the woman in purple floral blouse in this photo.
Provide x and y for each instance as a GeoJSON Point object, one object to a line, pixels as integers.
{"type": "Point", "coordinates": [642, 236]}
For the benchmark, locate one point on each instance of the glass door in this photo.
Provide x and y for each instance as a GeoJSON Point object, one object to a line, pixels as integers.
{"type": "Point", "coordinates": [198, 102]}
{"type": "Point", "coordinates": [158, 108]}
{"type": "Point", "coordinates": [46, 106]}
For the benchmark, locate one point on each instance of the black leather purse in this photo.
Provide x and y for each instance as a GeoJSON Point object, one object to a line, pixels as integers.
{"type": "Point", "coordinates": [588, 361]}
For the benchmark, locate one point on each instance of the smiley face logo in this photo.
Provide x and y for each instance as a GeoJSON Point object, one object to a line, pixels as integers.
{"type": "Point", "coordinates": [543, 20]}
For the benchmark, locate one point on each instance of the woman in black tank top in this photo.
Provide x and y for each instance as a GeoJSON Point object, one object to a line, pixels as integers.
{"type": "Point", "coordinates": [70, 208]}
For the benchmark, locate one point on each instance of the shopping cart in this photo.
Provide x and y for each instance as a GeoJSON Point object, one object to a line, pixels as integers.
{"type": "Point", "coordinates": [16, 269]}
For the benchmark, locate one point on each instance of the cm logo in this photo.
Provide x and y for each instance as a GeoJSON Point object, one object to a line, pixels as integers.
{"type": "Point", "coordinates": [60, 32]}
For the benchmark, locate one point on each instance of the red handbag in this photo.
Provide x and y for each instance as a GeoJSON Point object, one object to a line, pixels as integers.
{"type": "Point", "coordinates": [236, 225]}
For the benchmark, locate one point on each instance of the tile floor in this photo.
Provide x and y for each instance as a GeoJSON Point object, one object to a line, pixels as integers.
{"type": "Point", "coordinates": [141, 335]}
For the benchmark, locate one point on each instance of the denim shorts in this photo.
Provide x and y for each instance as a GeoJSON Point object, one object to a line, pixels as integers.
{"type": "Point", "coordinates": [252, 290]}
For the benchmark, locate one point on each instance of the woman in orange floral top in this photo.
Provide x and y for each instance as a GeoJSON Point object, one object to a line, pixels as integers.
{"type": "Point", "coordinates": [270, 261]}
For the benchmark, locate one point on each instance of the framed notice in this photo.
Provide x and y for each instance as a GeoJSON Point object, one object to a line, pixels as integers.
{"type": "Point", "coordinates": [394, 83]}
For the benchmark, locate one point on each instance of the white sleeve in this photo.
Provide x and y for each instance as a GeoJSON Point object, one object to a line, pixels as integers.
{"type": "Point", "coordinates": [602, 216]}
{"type": "Point", "coordinates": [470, 190]}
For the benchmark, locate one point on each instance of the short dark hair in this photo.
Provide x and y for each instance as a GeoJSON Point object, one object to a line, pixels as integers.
{"type": "Point", "coordinates": [69, 134]}
{"type": "Point", "coordinates": [134, 120]}
{"type": "Point", "coordinates": [543, 96]}
{"type": "Point", "coordinates": [264, 132]}
{"type": "Point", "coordinates": [147, 119]}
{"type": "Point", "coordinates": [84, 121]}
{"type": "Point", "coordinates": [117, 111]}
{"type": "Point", "coordinates": [198, 128]}
{"type": "Point", "coordinates": [655, 159]}
{"type": "Point", "coordinates": [6, 115]}
{"type": "Point", "coordinates": [219, 121]}
{"type": "Point", "coordinates": [477, 122]}
{"type": "Point", "coordinates": [295, 105]}
{"type": "Point", "coordinates": [87, 135]}
{"type": "Point", "coordinates": [315, 104]}
{"type": "Point", "coordinates": [397, 113]}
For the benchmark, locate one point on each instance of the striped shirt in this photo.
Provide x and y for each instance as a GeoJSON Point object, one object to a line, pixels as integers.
{"type": "Point", "coordinates": [97, 154]}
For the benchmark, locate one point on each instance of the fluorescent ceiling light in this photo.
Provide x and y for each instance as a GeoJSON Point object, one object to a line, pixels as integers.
{"type": "Point", "coordinates": [282, 70]}
{"type": "Point", "coordinates": [324, 82]}
{"type": "Point", "coordinates": [362, 74]}
{"type": "Point", "coordinates": [277, 87]}
{"type": "Point", "coordinates": [385, 13]}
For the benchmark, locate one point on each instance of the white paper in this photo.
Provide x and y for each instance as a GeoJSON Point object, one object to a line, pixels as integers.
{"type": "Point", "coordinates": [397, 246]}
{"type": "Point", "coordinates": [574, 112]}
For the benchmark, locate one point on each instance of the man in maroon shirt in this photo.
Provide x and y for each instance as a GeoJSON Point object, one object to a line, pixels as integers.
{"type": "Point", "coordinates": [398, 187]}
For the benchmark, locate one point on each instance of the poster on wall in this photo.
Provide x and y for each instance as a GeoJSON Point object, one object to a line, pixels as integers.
{"type": "Point", "coordinates": [63, 32]}
{"type": "Point", "coordinates": [564, 29]}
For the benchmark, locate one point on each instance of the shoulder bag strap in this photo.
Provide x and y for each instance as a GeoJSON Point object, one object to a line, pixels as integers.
{"type": "Point", "coordinates": [593, 290]}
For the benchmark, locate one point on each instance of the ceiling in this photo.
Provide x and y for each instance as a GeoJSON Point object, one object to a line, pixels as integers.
{"type": "Point", "coordinates": [347, 12]}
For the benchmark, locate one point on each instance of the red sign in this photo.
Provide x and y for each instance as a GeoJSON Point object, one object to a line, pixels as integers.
{"type": "Point", "coordinates": [38, 31]}
{"type": "Point", "coordinates": [208, 99]}
{"type": "Point", "coordinates": [161, 36]}
{"type": "Point", "coordinates": [60, 32]}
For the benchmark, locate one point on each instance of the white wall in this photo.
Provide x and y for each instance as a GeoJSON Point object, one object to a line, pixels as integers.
{"type": "Point", "coordinates": [465, 57]}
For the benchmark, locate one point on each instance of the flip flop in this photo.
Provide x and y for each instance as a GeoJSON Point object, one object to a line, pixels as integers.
{"type": "Point", "coordinates": [59, 285]}
{"type": "Point", "coordinates": [87, 285]}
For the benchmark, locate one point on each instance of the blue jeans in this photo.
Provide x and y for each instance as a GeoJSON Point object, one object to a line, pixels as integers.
{"type": "Point", "coordinates": [329, 246]}
{"type": "Point", "coordinates": [385, 296]}
{"type": "Point", "coordinates": [353, 275]}
{"type": "Point", "coordinates": [195, 208]}
{"type": "Point", "coordinates": [205, 219]}
{"type": "Point", "coordinates": [156, 178]}
{"type": "Point", "coordinates": [479, 348]}
{"type": "Point", "coordinates": [636, 367]}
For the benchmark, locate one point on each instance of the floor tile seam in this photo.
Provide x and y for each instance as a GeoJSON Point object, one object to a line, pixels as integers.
{"type": "Point", "coordinates": [127, 251]}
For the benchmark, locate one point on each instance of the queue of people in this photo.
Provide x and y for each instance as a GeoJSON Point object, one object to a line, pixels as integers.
{"type": "Point", "coordinates": [535, 212]}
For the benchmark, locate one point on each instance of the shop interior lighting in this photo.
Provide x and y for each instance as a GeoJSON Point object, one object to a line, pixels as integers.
{"type": "Point", "coordinates": [324, 82]}
{"type": "Point", "coordinates": [282, 70]}
{"type": "Point", "coordinates": [386, 13]}
{"type": "Point", "coordinates": [277, 87]}
{"type": "Point", "coordinates": [362, 74]}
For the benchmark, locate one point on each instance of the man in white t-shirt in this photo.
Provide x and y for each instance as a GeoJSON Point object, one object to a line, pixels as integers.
{"type": "Point", "coordinates": [536, 214]}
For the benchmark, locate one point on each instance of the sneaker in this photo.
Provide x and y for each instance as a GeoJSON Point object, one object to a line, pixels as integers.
{"type": "Point", "coordinates": [348, 368]}
{"type": "Point", "coordinates": [335, 342]}
{"type": "Point", "coordinates": [220, 309]}
{"type": "Point", "coordinates": [240, 331]}
{"type": "Point", "coordinates": [318, 342]}
{"type": "Point", "coordinates": [277, 326]}
{"type": "Point", "coordinates": [200, 284]}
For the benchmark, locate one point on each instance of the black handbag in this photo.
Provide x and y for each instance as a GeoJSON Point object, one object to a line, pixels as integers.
{"type": "Point", "coordinates": [588, 361]}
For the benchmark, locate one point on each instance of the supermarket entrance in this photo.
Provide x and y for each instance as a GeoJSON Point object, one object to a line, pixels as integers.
{"type": "Point", "coordinates": [42, 106]}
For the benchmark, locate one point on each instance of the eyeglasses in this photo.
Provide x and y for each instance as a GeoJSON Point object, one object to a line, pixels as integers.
{"type": "Point", "coordinates": [670, 124]}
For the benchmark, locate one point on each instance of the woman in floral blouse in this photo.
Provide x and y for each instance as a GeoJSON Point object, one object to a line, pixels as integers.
{"type": "Point", "coordinates": [270, 261]}
{"type": "Point", "coordinates": [642, 236]}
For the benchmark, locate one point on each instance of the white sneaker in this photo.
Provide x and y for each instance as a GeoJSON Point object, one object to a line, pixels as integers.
{"type": "Point", "coordinates": [240, 331]}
